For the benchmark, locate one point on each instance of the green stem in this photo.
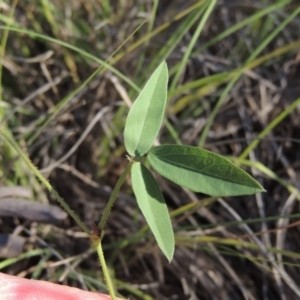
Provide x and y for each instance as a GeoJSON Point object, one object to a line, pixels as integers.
{"type": "Point", "coordinates": [105, 270]}
{"type": "Point", "coordinates": [101, 225]}
{"type": "Point", "coordinates": [113, 197]}
{"type": "Point", "coordinates": [10, 141]}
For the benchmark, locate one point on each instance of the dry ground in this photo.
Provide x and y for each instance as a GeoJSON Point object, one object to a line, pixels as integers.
{"type": "Point", "coordinates": [216, 257]}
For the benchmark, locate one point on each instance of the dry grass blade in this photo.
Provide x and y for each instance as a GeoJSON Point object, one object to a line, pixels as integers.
{"type": "Point", "coordinates": [234, 248]}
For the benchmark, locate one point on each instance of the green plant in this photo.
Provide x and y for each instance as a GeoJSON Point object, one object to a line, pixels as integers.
{"type": "Point", "coordinates": [196, 169]}
{"type": "Point", "coordinates": [191, 167]}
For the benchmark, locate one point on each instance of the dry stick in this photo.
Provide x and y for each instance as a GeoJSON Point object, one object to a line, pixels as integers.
{"type": "Point", "coordinates": [288, 280]}
{"type": "Point", "coordinates": [259, 201]}
{"type": "Point", "coordinates": [246, 236]}
{"type": "Point", "coordinates": [59, 256]}
{"type": "Point", "coordinates": [246, 293]}
{"type": "Point", "coordinates": [16, 147]}
{"type": "Point", "coordinates": [281, 235]}
{"type": "Point", "coordinates": [91, 125]}
{"type": "Point", "coordinates": [10, 141]}
{"type": "Point", "coordinates": [269, 127]}
{"type": "Point", "coordinates": [33, 95]}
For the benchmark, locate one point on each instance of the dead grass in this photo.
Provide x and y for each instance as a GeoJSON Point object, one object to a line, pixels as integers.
{"type": "Point", "coordinates": [216, 257]}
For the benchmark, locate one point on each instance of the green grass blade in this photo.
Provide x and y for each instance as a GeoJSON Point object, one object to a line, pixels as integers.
{"type": "Point", "coordinates": [270, 174]}
{"type": "Point", "coordinates": [193, 42]}
{"type": "Point", "coordinates": [177, 36]}
{"type": "Point", "coordinates": [239, 25]}
{"type": "Point", "coordinates": [106, 65]}
{"type": "Point", "coordinates": [267, 130]}
{"type": "Point", "coordinates": [230, 85]}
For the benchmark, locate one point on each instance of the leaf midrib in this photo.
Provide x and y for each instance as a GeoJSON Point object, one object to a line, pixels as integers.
{"type": "Point", "coordinates": [149, 104]}
{"type": "Point", "coordinates": [207, 174]}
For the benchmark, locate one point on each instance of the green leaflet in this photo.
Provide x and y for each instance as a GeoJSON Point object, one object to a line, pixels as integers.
{"type": "Point", "coordinates": [153, 207]}
{"type": "Point", "coordinates": [202, 171]}
{"type": "Point", "coordinates": [145, 117]}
